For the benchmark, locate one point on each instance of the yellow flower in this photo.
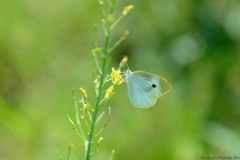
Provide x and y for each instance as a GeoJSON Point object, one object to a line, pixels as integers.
{"type": "Point", "coordinates": [116, 76]}
{"type": "Point", "coordinates": [127, 9]}
{"type": "Point", "coordinates": [83, 92]}
{"type": "Point", "coordinates": [109, 91]}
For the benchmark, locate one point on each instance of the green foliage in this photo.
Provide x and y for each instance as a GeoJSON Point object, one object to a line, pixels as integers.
{"type": "Point", "coordinates": [45, 50]}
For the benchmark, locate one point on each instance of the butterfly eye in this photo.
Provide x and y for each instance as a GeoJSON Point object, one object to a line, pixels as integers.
{"type": "Point", "coordinates": [154, 85]}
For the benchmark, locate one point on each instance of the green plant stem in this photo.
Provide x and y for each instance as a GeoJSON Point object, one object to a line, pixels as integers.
{"type": "Point", "coordinates": [116, 44]}
{"type": "Point", "coordinates": [69, 149]}
{"type": "Point", "coordinates": [97, 104]}
{"type": "Point", "coordinates": [117, 21]}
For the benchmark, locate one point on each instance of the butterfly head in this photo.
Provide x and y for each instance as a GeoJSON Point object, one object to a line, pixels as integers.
{"type": "Point", "coordinates": [127, 75]}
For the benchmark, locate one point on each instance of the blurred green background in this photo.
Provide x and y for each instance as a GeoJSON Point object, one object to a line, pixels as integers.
{"type": "Point", "coordinates": [45, 50]}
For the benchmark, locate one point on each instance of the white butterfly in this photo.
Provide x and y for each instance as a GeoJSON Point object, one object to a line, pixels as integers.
{"type": "Point", "coordinates": [145, 88]}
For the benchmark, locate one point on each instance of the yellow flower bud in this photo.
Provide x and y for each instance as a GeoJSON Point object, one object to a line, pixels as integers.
{"type": "Point", "coordinates": [123, 61]}
{"type": "Point", "coordinates": [100, 2]}
{"type": "Point", "coordinates": [109, 91]}
{"type": "Point", "coordinates": [110, 18]}
{"type": "Point", "coordinates": [127, 9]}
{"type": "Point", "coordinates": [83, 92]}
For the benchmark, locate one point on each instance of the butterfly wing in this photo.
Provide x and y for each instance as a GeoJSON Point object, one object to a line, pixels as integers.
{"type": "Point", "coordinates": [144, 88]}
